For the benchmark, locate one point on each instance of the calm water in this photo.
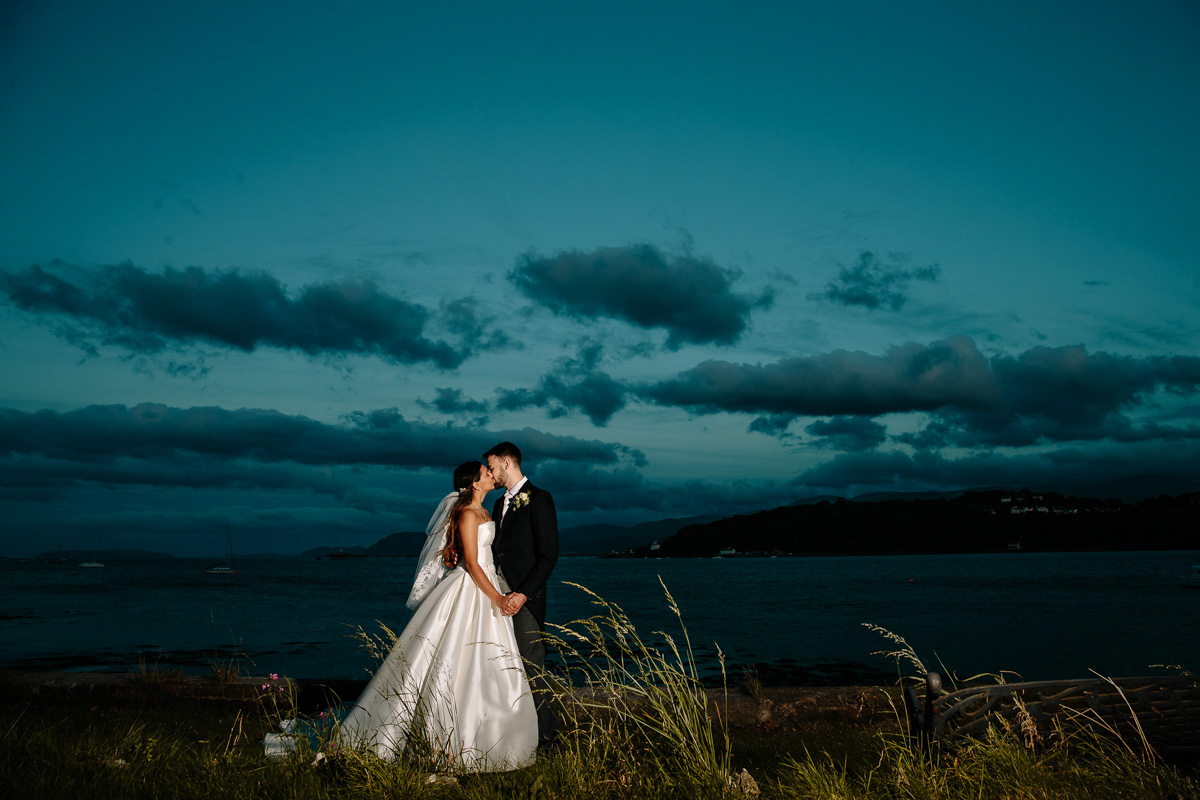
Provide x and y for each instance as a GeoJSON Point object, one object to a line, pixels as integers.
{"type": "Point", "coordinates": [799, 620]}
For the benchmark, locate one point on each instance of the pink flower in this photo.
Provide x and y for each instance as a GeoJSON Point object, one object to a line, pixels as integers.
{"type": "Point", "coordinates": [274, 676]}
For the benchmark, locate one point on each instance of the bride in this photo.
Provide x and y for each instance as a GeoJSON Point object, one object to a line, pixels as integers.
{"type": "Point", "coordinates": [453, 686]}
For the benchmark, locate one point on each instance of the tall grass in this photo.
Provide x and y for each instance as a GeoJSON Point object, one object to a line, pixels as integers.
{"type": "Point", "coordinates": [1077, 764]}
{"type": "Point", "coordinates": [642, 716]}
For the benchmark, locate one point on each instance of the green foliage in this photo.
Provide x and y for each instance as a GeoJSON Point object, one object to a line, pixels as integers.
{"type": "Point", "coordinates": [151, 677]}
{"type": "Point", "coordinates": [227, 669]}
{"type": "Point", "coordinates": [752, 683]}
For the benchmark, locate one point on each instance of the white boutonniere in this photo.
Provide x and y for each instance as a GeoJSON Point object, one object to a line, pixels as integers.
{"type": "Point", "coordinates": [519, 500]}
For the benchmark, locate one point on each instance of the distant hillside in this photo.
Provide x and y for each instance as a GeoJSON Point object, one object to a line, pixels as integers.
{"type": "Point", "coordinates": [262, 556]}
{"type": "Point", "coordinates": [392, 545]}
{"type": "Point", "coordinates": [883, 522]}
{"type": "Point", "coordinates": [1133, 489]}
{"type": "Point", "coordinates": [986, 521]}
{"type": "Point", "coordinates": [876, 497]}
{"type": "Point", "coordinates": [317, 552]}
{"type": "Point", "coordinates": [595, 540]}
{"type": "Point", "coordinates": [821, 498]}
{"type": "Point", "coordinates": [399, 544]}
{"type": "Point", "coordinates": [111, 555]}
{"type": "Point", "coordinates": [1136, 488]}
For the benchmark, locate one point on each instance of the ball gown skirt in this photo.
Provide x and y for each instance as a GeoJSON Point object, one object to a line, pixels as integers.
{"type": "Point", "coordinates": [453, 688]}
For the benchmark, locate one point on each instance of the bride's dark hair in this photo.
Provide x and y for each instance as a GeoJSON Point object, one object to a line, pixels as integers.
{"type": "Point", "coordinates": [464, 475]}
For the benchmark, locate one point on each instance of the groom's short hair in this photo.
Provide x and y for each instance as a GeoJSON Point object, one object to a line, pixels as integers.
{"type": "Point", "coordinates": [505, 450]}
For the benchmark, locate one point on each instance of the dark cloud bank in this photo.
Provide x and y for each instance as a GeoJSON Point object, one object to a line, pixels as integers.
{"type": "Point", "coordinates": [1042, 395]}
{"type": "Point", "coordinates": [50, 457]}
{"type": "Point", "coordinates": [122, 305]}
{"type": "Point", "coordinates": [159, 475]}
{"type": "Point", "coordinates": [150, 433]}
{"type": "Point", "coordinates": [691, 298]}
{"type": "Point", "coordinates": [1056, 416]}
{"type": "Point", "coordinates": [125, 306]}
{"type": "Point", "coordinates": [1045, 394]}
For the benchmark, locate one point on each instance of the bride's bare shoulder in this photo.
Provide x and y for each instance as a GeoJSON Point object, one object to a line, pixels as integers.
{"type": "Point", "coordinates": [476, 515]}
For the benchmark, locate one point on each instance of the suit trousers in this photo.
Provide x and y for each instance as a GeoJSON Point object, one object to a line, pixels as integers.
{"type": "Point", "coordinates": [532, 649]}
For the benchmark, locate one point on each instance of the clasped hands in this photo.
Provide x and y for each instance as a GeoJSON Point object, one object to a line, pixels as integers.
{"type": "Point", "coordinates": [512, 603]}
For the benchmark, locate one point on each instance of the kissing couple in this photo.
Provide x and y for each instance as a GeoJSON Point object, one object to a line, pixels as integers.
{"type": "Point", "coordinates": [465, 683]}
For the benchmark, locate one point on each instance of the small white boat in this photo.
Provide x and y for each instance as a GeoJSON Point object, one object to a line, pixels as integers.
{"type": "Point", "coordinates": [1191, 581]}
{"type": "Point", "coordinates": [225, 567]}
{"type": "Point", "coordinates": [92, 564]}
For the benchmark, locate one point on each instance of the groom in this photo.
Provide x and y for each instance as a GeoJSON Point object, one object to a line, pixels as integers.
{"type": "Point", "coordinates": [525, 550]}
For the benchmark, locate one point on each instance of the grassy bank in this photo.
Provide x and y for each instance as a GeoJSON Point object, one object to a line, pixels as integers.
{"type": "Point", "coordinates": [154, 745]}
{"type": "Point", "coordinates": [637, 722]}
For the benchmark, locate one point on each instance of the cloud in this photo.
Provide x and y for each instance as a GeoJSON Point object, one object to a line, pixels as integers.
{"type": "Point", "coordinates": [50, 476]}
{"type": "Point", "coordinates": [573, 384]}
{"type": "Point", "coordinates": [115, 436]}
{"type": "Point", "coordinates": [452, 401]}
{"type": "Point", "coordinates": [1051, 394]}
{"type": "Point", "coordinates": [1103, 463]}
{"type": "Point", "coordinates": [596, 394]}
{"type": "Point", "coordinates": [158, 477]}
{"type": "Point", "coordinates": [772, 425]}
{"type": "Point", "coordinates": [465, 320]}
{"type": "Point", "coordinates": [909, 377]}
{"type": "Point", "coordinates": [873, 284]}
{"type": "Point", "coordinates": [1042, 395]}
{"type": "Point", "coordinates": [691, 298]}
{"type": "Point", "coordinates": [617, 491]}
{"type": "Point", "coordinates": [128, 307]}
{"type": "Point", "coordinates": [155, 465]}
{"type": "Point", "coordinates": [849, 433]}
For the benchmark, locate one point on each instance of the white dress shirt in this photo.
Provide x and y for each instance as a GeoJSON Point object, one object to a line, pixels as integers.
{"type": "Point", "coordinates": [509, 494]}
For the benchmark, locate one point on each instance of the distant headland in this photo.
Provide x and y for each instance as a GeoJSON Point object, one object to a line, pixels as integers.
{"type": "Point", "coordinates": [995, 520]}
{"type": "Point", "coordinates": [967, 521]}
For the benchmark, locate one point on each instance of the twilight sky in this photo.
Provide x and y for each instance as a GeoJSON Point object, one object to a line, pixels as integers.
{"type": "Point", "coordinates": [281, 266]}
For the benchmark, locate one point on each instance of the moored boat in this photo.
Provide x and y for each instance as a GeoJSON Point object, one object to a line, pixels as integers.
{"type": "Point", "coordinates": [95, 562]}
{"type": "Point", "coordinates": [225, 567]}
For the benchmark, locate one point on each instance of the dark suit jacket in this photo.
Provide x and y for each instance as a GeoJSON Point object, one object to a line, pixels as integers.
{"type": "Point", "coordinates": [526, 547]}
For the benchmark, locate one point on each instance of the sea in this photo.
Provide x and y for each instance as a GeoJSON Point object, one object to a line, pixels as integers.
{"type": "Point", "coordinates": [792, 621]}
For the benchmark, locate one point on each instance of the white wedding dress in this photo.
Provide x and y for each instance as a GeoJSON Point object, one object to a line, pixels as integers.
{"type": "Point", "coordinates": [453, 683]}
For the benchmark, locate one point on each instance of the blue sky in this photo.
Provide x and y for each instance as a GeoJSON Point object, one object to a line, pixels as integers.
{"type": "Point", "coordinates": [281, 266]}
